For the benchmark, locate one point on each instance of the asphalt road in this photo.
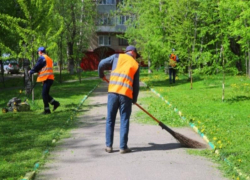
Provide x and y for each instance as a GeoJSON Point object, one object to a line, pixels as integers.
{"type": "Point", "coordinates": [155, 155]}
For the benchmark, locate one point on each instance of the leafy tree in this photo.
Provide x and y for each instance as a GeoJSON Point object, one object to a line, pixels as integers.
{"type": "Point", "coordinates": [39, 28]}
{"type": "Point", "coordinates": [147, 29]}
{"type": "Point", "coordinates": [40, 31]}
{"type": "Point", "coordinates": [240, 30]}
{"type": "Point", "coordinates": [79, 23]}
{"type": "Point", "coordinates": [184, 24]}
{"type": "Point", "coordinates": [208, 39]}
{"type": "Point", "coordinates": [226, 58]}
{"type": "Point", "coordinates": [10, 23]}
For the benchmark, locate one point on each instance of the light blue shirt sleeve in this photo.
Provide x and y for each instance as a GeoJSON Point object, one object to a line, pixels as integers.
{"type": "Point", "coordinates": [105, 64]}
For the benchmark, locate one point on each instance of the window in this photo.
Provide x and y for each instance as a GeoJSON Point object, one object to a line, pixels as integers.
{"type": "Point", "coordinates": [107, 2]}
{"type": "Point", "coordinates": [123, 19]}
{"type": "Point", "coordinates": [105, 20]}
{"type": "Point", "coordinates": [104, 40]}
{"type": "Point", "coordinates": [123, 42]}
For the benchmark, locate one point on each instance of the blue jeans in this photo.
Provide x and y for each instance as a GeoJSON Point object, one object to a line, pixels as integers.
{"type": "Point", "coordinates": [172, 71]}
{"type": "Point", "coordinates": [124, 104]}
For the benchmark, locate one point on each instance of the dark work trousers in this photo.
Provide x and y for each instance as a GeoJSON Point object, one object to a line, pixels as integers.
{"type": "Point", "coordinates": [45, 93]}
{"type": "Point", "coordinates": [172, 74]}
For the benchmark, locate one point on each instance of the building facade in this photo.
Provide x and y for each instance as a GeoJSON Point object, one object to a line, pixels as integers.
{"type": "Point", "coordinates": [109, 25]}
{"type": "Point", "coordinates": [105, 40]}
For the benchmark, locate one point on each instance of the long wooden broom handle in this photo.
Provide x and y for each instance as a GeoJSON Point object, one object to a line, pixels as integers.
{"type": "Point", "coordinates": [140, 107]}
{"type": "Point", "coordinates": [147, 113]}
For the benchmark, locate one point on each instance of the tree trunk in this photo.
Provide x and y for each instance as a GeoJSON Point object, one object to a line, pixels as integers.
{"type": "Point", "coordinates": [60, 62]}
{"type": "Point", "coordinates": [70, 43]}
{"type": "Point", "coordinates": [235, 48]}
{"type": "Point", "coordinates": [248, 61]}
{"type": "Point", "coordinates": [190, 74]}
{"type": "Point", "coordinates": [166, 67]}
{"type": "Point", "coordinates": [193, 51]}
{"type": "Point", "coordinates": [71, 63]}
{"type": "Point", "coordinates": [149, 67]}
{"type": "Point", "coordinates": [32, 79]}
{"type": "Point", "coordinates": [190, 68]}
{"type": "Point", "coordinates": [223, 66]}
{"type": "Point", "coordinates": [2, 71]}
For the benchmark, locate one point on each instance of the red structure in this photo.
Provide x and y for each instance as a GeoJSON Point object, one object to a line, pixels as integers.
{"type": "Point", "coordinates": [91, 59]}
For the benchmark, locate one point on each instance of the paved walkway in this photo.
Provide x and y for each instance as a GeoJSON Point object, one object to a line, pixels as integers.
{"type": "Point", "coordinates": [156, 155]}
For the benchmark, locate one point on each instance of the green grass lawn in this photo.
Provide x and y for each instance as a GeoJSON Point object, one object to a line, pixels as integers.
{"type": "Point", "coordinates": [25, 136]}
{"type": "Point", "coordinates": [11, 81]}
{"type": "Point", "coordinates": [226, 124]}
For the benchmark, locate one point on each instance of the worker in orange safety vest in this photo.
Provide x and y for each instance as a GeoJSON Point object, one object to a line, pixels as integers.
{"type": "Point", "coordinates": [123, 90]}
{"type": "Point", "coordinates": [173, 60]}
{"type": "Point", "coordinates": [44, 68]}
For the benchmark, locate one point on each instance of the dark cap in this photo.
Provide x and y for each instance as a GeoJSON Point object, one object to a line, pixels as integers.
{"type": "Point", "coordinates": [41, 49]}
{"type": "Point", "coordinates": [132, 48]}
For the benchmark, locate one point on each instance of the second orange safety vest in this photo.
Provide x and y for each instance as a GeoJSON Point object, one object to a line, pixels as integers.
{"type": "Point", "coordinates": [172, 60]}
{"type": "Point", "coordinates": [122, 77]}
{"type": "Point", "coordinates": [47, 71]}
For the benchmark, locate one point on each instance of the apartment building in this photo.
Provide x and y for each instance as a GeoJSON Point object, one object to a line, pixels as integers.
{"type": "Point", "coordinates": [109, 24]}
{"type": "Point", "coordinates": [105, 41]}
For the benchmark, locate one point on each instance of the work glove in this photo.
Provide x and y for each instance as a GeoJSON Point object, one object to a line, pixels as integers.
{"type": "Point", "coordinates": [105, 79]}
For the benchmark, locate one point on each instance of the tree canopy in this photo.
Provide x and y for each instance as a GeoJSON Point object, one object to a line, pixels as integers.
{"type": "Point", "coordinates": [210, 36]}
{"type": "Point", "coordinates": [27, 24]}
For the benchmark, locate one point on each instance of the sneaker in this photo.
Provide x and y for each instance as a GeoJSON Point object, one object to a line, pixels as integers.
{"type": "Point", "coordinates": [109, 149]}
{"type": "Point", "coordinates": [57, 104]}
{"type": "Point", "coordinates": [46, 112]}
{"type": "Point", "coordinates": [123, 151]}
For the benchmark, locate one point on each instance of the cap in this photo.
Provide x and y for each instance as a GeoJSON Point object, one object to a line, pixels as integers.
{"type": "Point", "coordinates": [132, 48]}
{"type": "Point", "coordinates": [41, 49]}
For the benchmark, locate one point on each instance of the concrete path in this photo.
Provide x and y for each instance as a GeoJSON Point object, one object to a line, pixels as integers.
{"type": "Point", "coordinates": [156, 155]}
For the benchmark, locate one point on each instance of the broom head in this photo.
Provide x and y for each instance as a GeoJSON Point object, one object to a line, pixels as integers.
{"type": "Point", "coordinates": [184, 141]}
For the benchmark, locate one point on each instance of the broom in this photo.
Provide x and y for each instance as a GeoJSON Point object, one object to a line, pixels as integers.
{"type": "Point", "coordinates": [184, 141]}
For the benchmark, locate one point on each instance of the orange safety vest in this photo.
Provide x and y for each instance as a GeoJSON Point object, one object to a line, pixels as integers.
{"type": "Point", "coordinates": [122, 77]}
{"type": "Point", "coordinates": [172, 60]}
{"type": "Point", "coordinates": [47, 71]}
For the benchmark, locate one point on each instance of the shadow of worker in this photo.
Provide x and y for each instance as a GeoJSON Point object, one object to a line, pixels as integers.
{"type": "Point", "coordinates": [157, 147]}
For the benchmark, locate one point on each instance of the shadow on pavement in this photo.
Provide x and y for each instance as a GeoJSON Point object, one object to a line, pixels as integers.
{"type": "Point", "coordinates": [157, 147]}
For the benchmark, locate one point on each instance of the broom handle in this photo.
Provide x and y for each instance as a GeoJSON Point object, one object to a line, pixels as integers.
{"type": "Point", "coordinates": [163, 126]}
{"type": "Point", "coordinates": [147, 113]}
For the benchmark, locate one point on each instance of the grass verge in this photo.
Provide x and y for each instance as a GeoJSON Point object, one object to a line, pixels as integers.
{"type": "Point", "coordinates": [12, 81]}
{"type": "Point", "coordinates": [226, 124]}
{"type": "Point", "coordinates": [24, 136]}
